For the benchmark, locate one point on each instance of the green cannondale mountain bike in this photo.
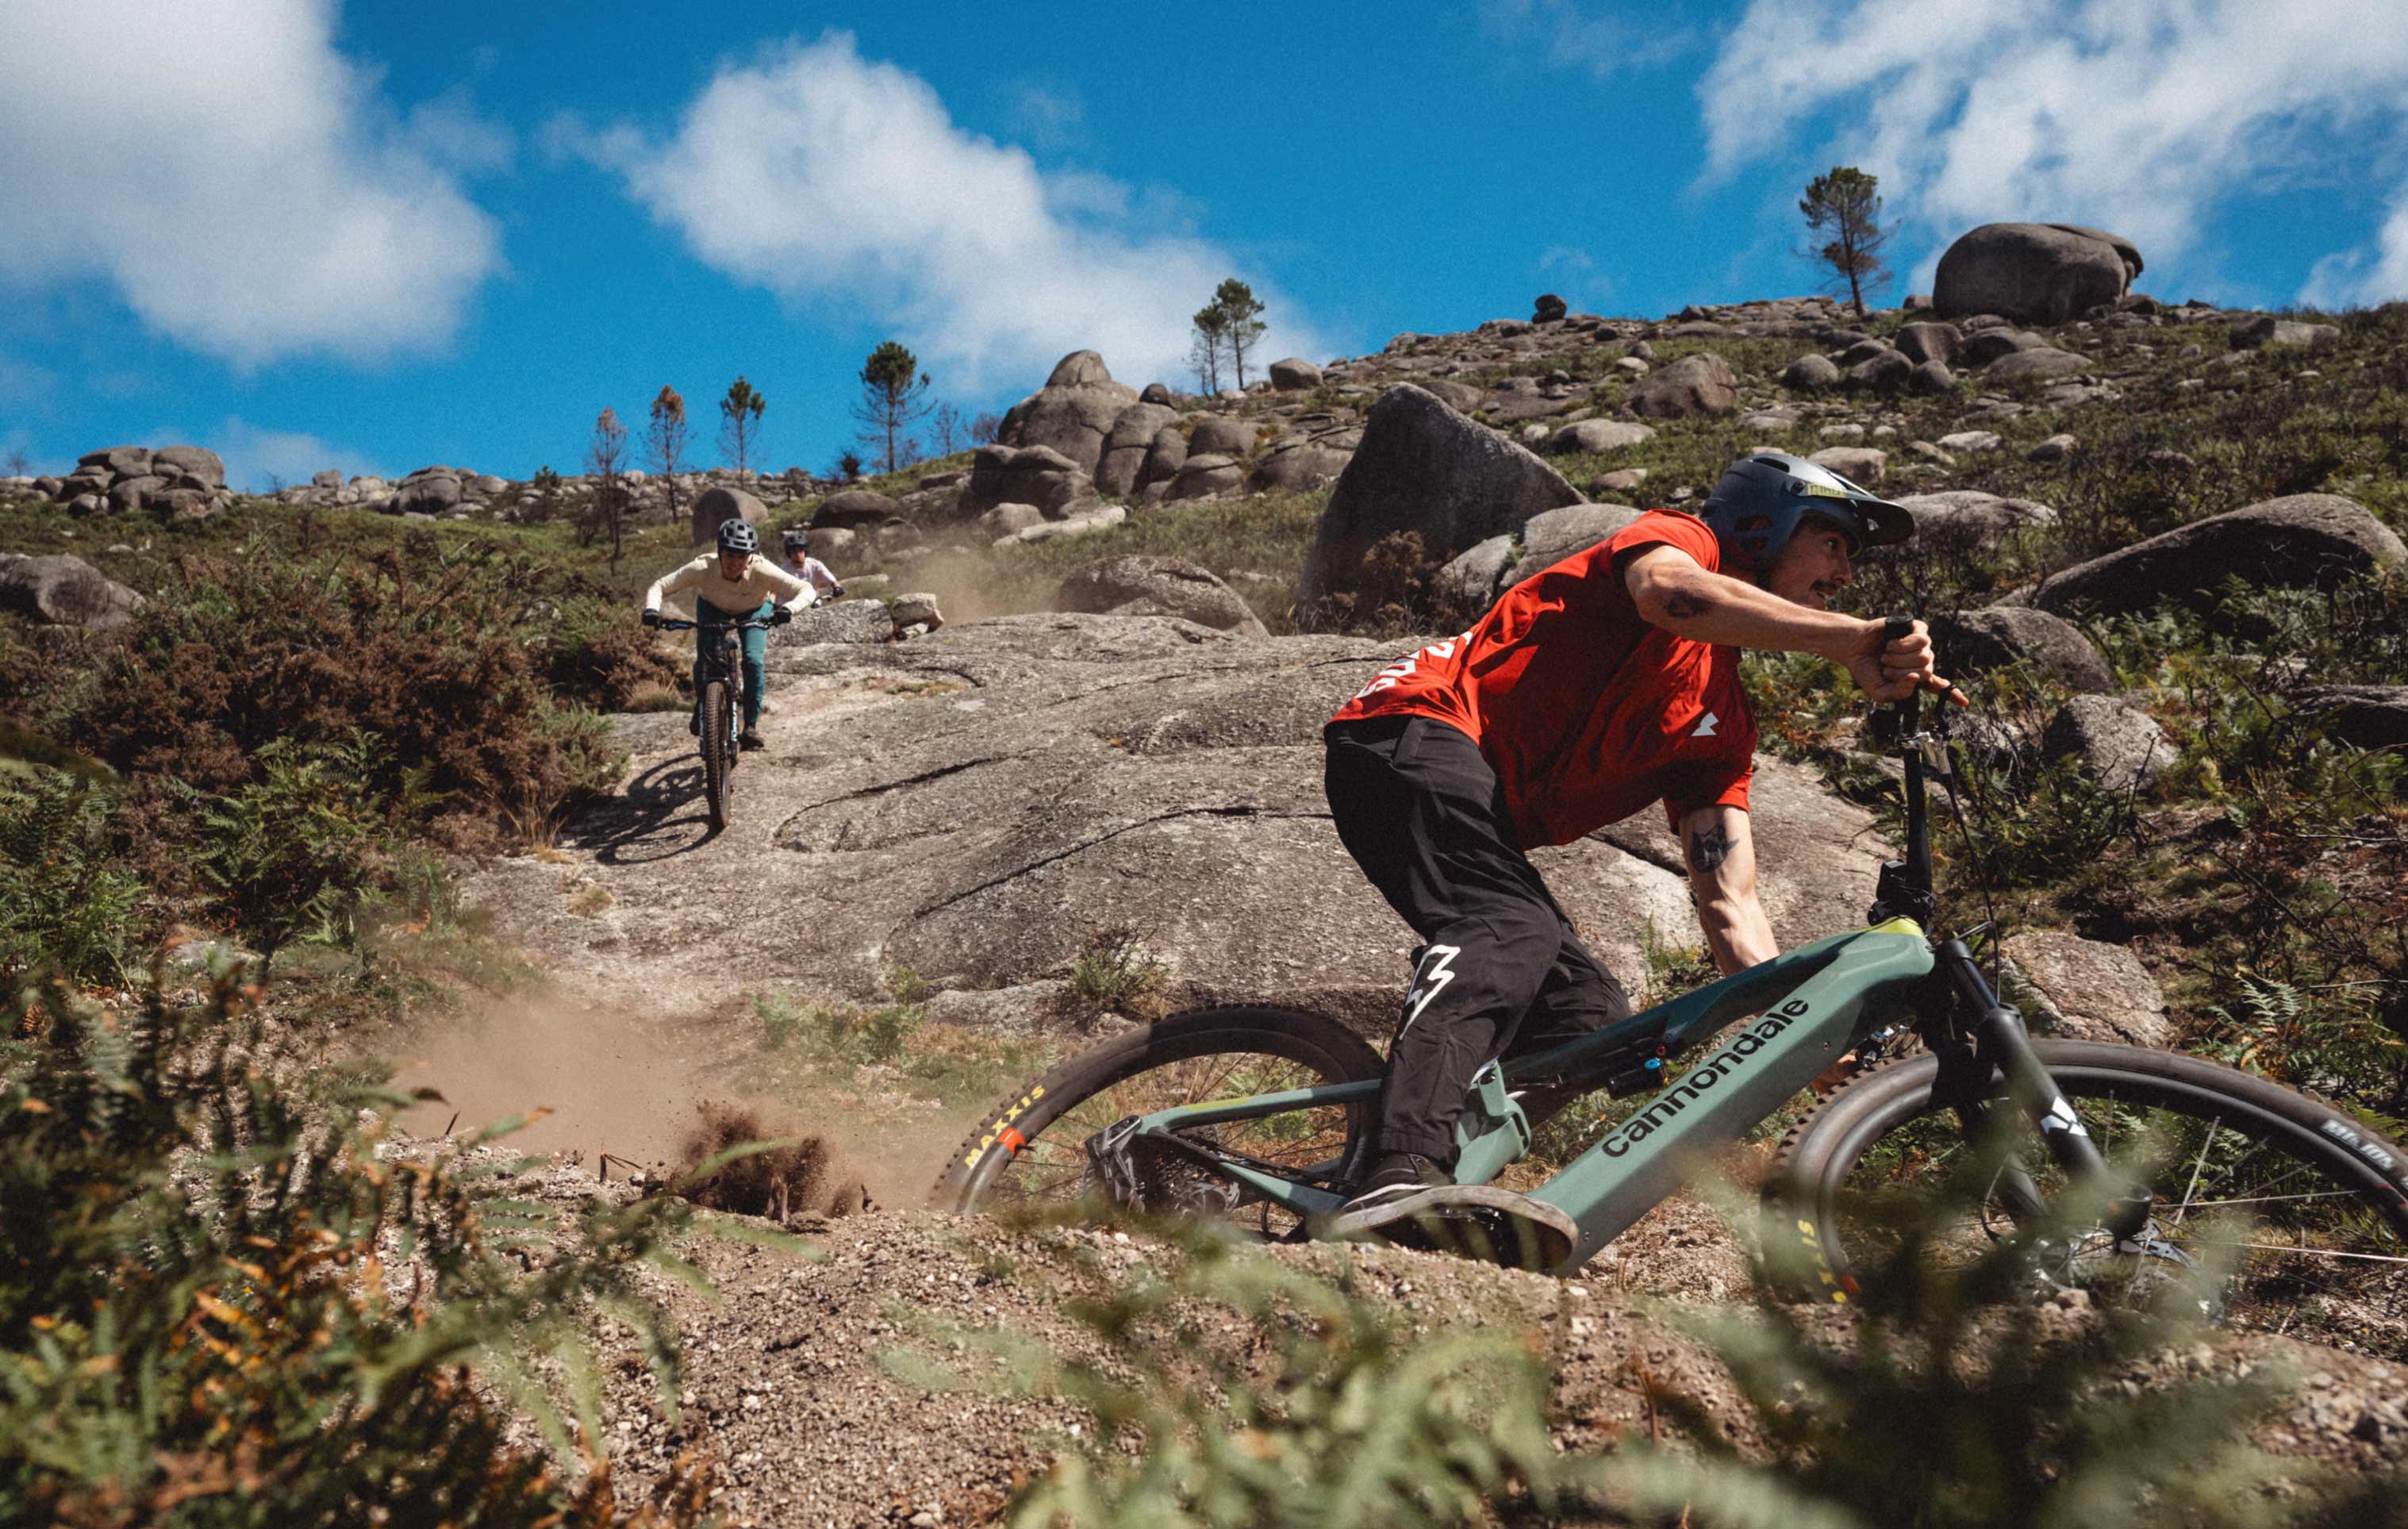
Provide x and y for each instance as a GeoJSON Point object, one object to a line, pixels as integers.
{"type": "Point", "coordinates": [1264, 1117]}
{"type": "Point", "coordinates": [718, 709]}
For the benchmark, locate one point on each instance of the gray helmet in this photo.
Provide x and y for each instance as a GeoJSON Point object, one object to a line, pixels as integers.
{"type": "Point", "coordinates": [736, 534]}
{"type": "Point", "coordinates": [1761, 498]}
{"type": "Point", "coordinates": [796, 538]}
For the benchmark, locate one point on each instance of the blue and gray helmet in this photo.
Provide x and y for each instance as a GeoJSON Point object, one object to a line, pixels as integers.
{"type": "Point", "coordinates": [1762, 498]}
{"type": "Point", "coordinates": [737, 535]}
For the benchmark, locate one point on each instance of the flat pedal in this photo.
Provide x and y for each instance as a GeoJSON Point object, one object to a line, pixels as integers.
{"type": "Point", "coordinates": [1478, 1222]}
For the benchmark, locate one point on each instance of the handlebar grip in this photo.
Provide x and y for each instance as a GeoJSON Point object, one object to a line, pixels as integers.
{"type": "Point", "coordinates": [1896, 627]}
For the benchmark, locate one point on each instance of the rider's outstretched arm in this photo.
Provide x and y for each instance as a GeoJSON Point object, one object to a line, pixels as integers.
{"type": "Point", "coordinates": [680, 578]}
{"type": "Point", "coordinates": [1720, 852]}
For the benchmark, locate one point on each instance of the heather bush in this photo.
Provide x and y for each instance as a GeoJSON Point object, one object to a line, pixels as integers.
{"type": "Point", "coordinates": [225, 1305]}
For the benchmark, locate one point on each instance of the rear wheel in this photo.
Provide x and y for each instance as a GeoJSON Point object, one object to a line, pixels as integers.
{"type": "Point", "coordinates": [2306, 1208]}
{"type": "Point", "coordinates": [717, 755]}
{"type": "Point", "coordinates": [1032, 1150]}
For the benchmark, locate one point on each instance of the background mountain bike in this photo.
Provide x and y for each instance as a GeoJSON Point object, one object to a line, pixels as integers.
{"type": "Point", "coordinates": [718, 709]}
{"type": "Point", "coordinates": [1263, 1117]}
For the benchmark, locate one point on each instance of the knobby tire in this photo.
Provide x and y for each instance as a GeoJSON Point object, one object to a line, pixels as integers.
{"type": "Point", "coordinates": [717, 758]}
{"type": "Point", "coordinates": [1030, 1149]}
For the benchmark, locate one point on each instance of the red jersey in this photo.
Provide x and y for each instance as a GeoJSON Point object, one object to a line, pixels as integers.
{"type": "Point", "coordinates": [1585, 710]}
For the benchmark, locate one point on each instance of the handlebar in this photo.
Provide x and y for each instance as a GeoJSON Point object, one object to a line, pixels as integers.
{"type": "Point", "coordinates": [778, 616]}
{"type": "Point", "coordinates": [1906, 884]}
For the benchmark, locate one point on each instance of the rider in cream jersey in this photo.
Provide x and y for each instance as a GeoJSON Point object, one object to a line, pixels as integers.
{"type": "Point", "coordinates": [733, 584]}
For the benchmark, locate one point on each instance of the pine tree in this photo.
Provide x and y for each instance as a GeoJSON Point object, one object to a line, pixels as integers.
{"type": "Point", "coordinates": [894, 394]}
{"type": "Point", "coordinates": [1847, 203]}
{"type": "Point", "coordinates": [1241, 322]}
{"type": "Point", "coordinates": [1204, 349]}
{"type": "Point", "coordinates": [666, 442]}
{"type": "Point", "coordinates": [740, 423]}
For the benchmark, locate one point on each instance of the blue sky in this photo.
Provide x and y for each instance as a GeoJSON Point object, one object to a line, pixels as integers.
{"type": "Point", "coordinates": [375, 236]}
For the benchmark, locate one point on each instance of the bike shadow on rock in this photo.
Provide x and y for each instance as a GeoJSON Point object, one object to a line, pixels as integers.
{"type": "Point", "coordinates": [642, 823]}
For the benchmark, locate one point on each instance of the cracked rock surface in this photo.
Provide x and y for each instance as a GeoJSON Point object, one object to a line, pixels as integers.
{"type": "Point", "coordinates": [975, 803]}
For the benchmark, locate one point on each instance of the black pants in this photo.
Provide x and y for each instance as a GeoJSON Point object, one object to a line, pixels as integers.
{"type": "Point", "coordinates": [1499, 970]}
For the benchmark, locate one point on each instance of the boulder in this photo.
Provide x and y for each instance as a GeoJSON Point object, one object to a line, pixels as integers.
{"type": "Point", "coordinates": [1006, 520]}
{"type": "Point", "coordinates": [184, 504]}
{"type": "Point", "coordinates": [429, 492]}
{"type": "Point", "coordinates": [1460, 396]}
{"type": "Point", "coordinates": [2123, 747]}
{"type": "Point", "coordinates": [2369, 716]}
{"type": "Point", "coordinates": [1120, 470]}
{"type": "Point", "coordinates": [2086, 989]}
{"type": "Point", "coordinates": [1305, 461]}
{"type": "Point", "coordinates": [1931, 377]}
{"type": "Point", "coordinates": [1023, 475]}
{"type": "Point", "coordinates": [1698, 384]}
{"type": "Point", "coordinates": [713, 507]}
{"type": "Point", "coordinates": [1007, 786]}
{"type": "Point", "coordinates": [2039, 363]}
{"type": "Point", "coordinates": [2302, 539]}
{"type": "Point", "coordinates": [1137, 585]}
{"type": "Point", "coordinates": [128, 494]}
{"type": "Point", "coordinates": [1200, 477]}
{"type": "Point", "coordinates": [1551, 536]}
{"type": "Point", "coordinates": [1810, 373]}
{"type": "Point", "coordinates": [192, 462]}
{"type": "Point", "coordinates": [1985, 345]}
{"type": "Point", "coordinates": [1594, 437]}
{"type": "Point", "coordinates": [1884, 369]}
{"type": "Point", "coordinates": [2036, 273]}
{"type": "Point", "coordinates": [1862, 351]}
{"type": "Point", "coordinates": [1426, 469]}
{"type": "Point", "coordinates": [1549, 308]}
{"type": "Point", "coordinates": [331, 479]}
{"type": "Point", "coordinates": [2055, 449]}
{"type": "Point", "coordinates": [1086, 522]}
{"type": "Point", "coordinates": [1163, 458]}
{"type": "Point", "coordinates": [113, 463]}
{"type": "Point", "coordinates": [2268, 330]}
{"type": "Point", "coordinates": [1293, 374]}
{"type": "Point", "coordinates": [1467, 584]}
{"type": "Point", "coordinates": [1974, 512]}
{"type": "Point", "coordinates": [1220, 436]}
{"type": "Point", "coordinates": [64, 591]}
{"type": "Point", "coordinates": [1072, 413]}
{"type": "Point", "coordinates": [1972, 641]}
{"type": "Point", "coordinates": [1922, 342]}
{"type": "Point", "coordinates": [1154, 392]}
{"type": "Point", "coordinates": [1864, 465]}
{"type": "Point", "coordinates": [918, 608]}
{"type": "Point", "coordinates": [1970, 441]}
{"type": "Point", "coordinates": [835, 546]}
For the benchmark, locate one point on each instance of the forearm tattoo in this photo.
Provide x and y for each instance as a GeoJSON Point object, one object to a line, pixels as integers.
{"type": "Point", "coordinates": [1707, 849]}
{"type": "Point", "coordinates": [1681, 605]}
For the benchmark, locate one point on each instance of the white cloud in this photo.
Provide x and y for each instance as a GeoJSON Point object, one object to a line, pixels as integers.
{"type": "Point", "coordinates": [239, 181]}
{"type": "Point", "coordinates": [828, 178]}
{"type": "Point", "coordinates": [254, 455]}
{"type": "Point", "coordinates": [1572, 38]}
{"type": "Point", "coordinates": [2135, 115]}
{"type": "Point", "coordinates": [2361, 278]}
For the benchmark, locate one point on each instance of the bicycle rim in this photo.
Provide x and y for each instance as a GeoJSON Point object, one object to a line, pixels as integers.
{"type": "Point", "coordinates": [716, 759]}
{"type": "Point", "coordinates": [2314, 1241]}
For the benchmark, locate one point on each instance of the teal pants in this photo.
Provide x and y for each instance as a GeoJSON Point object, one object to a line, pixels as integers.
{"type": "Point", "coordinates": [713, 622]}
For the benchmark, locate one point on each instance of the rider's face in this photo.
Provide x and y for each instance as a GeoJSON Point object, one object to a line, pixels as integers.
{"type": "Point", "coordinates": [731, 565]}
{"type": "Point", "coordinates": [1814, 568]}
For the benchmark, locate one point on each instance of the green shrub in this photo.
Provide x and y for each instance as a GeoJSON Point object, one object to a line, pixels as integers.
{"type": "Point", "coordinates": [221, 1306]}
{"type": "Point", "coordinates": [1113, 975]}
{"type": "Point", "coordinates": [62, 896]}
{"type": "Point", "coordinates": [291, 853]}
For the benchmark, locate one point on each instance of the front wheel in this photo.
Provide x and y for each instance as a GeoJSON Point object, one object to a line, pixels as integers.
{"type": "Point", "coordinates": [718, 752]}
{"type": "Point", "coordinates": [1032, 1150]}
{"type": "Point", "coordinates": [2305, 1208]}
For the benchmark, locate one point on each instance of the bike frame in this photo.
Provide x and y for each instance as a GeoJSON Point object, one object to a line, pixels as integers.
{"type": "Point", "coordinates": [728, 656]}
{"type": "Point", "coordinates": [1811, 1005]}
{"type": "Point", "coordinates": [1803, 1010]}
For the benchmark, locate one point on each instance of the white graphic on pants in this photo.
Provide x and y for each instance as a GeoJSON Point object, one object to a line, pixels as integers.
{"type": "Point", "coordinates": [1436, 970]}
{"type": "Point", "coordinates": [1706, 728]}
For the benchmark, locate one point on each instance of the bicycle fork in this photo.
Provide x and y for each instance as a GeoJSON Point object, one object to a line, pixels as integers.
{"type": "Point", "coordinates": [2002, 1047]}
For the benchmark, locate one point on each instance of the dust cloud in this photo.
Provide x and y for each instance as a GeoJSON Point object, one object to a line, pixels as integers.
{"type": "Point", "coordinates": [646, 1088]}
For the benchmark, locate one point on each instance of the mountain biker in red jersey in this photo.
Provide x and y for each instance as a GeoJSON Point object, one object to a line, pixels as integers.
{"type": "Point", "coordinates": [1592, 690]}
